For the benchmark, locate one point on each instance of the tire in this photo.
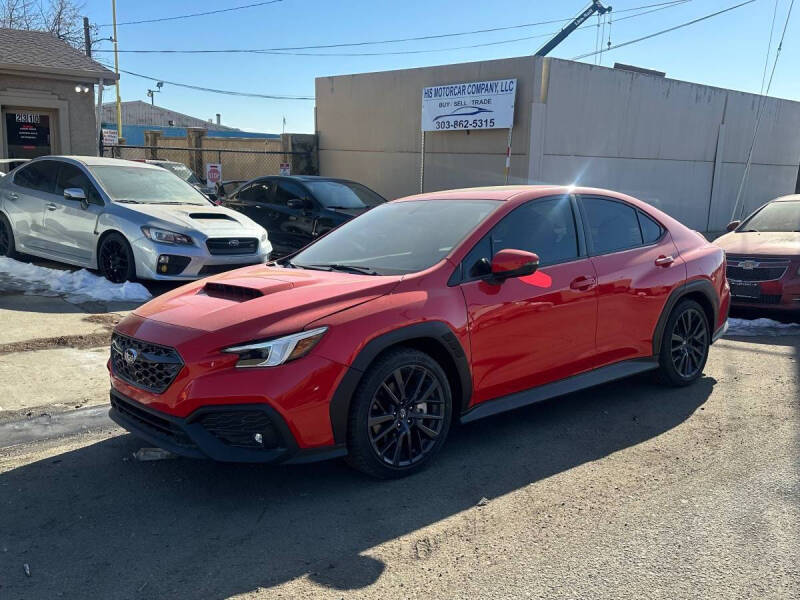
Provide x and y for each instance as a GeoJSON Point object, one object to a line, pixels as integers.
{"type": "Point", "coordinates": [115, 259]}
{"type": "Point", "coordinates": [399, 441]}
{"type": "Point", "coordinates": [7, 247]}
{"type": "Point", "coordinates": [684, 345]}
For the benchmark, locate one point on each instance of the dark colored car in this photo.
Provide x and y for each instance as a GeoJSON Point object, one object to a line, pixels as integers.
{"type": "Point", "coordinates": [425, 310]}
{"type": "Point", "coordinates": [764, 256]}
{"type": "Point", "coordinates": [298, 209]}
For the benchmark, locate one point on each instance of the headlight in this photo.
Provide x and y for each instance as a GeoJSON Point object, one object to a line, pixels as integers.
{"type": "Point", "coordinates": [278, 351]}
{"type": "Point", "coordinates": [162, 236]}
{"type": "Point", "coordinates": [264, 237]}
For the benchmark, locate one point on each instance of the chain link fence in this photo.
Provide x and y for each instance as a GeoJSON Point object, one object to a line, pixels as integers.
{"type": "Point", "coordinates": [235, 164]}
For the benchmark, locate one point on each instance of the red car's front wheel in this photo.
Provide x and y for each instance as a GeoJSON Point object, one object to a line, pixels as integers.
{"type": "Point", "coordinates": [400, 414]}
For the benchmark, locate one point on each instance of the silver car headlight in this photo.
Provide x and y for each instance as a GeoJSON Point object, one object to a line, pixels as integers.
{"type": "Point", "coordinates": [278, 351]}
{"type": "Point", "coordinates": [163, 236]}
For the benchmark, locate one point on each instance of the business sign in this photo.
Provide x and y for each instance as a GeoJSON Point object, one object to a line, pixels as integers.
{"type": "Point", "coordinates": [213, 173]}
{"type": "Point", "coordinates": [27, 134]}
{"type": "Point", "coordinates": [110, 137]}
{"type": "Point", "coordinates": [286, 170]}
{"type": "Point", "coordinates": [476, 105]}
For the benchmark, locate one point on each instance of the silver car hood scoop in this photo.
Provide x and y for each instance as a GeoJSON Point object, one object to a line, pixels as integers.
{"type": "Point", "coordinates": [209, 216]}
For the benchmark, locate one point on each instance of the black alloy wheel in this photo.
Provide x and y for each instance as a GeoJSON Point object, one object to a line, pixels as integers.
{"type": "Point", "coordinates": [685, 344]}
{"type": "Point", "coordinates": [400, 414]}
{"type": "Point", "coordinates": [406, 416]}
{"type": "Point", "coordinates": [115, 259]}
{"type": "Point", "coordinates": [689, 343]}
{"type": "Point", "coordinates": [6, 238]}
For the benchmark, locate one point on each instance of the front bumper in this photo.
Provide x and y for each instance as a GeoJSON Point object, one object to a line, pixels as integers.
{"type": "Point", "coordinates": [223, 433]}
{"type": "Point", "coordinates": [201, 262]}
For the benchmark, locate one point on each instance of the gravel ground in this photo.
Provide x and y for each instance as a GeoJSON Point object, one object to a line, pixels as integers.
{"type": "Point", "coordinates": [629, 490]}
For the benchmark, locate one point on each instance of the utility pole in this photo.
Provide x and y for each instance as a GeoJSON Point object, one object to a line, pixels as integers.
{"type": "Point", "coordinates": [87, 38]}
{"type": "Point", "coordinates": [116, 67]}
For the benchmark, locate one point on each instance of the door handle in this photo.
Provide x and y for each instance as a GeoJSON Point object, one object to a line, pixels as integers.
{"type": "Point", "coordinates": [583, 283]}
{"type": "Point", "coordinates": [13, 196]}
{"type": "Point", "coordinates": [51, 206]}
{"type": "Point", "coordinates": [664, 261]}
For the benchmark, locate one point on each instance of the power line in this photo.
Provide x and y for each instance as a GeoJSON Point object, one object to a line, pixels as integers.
{"type": "Point", "coordinates": [769, 47]}
{"type": "Point", "coordinates": [663, 31]}
{"type": "Point", "coordinates": [759, 113]}
{"type": "Point", "coordinates": [216, 91]}
{"type": "Point", "coordinates": [290, 50]}
{"type": "Point", "coordinates": [191, 15]}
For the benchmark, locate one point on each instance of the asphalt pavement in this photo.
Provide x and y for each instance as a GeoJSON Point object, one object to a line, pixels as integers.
{"type": "Point", "coordinates": [629, 490]}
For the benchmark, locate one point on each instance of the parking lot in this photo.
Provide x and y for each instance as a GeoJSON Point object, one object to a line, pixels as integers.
{"type": "Point", "coordinates": [629, 490]}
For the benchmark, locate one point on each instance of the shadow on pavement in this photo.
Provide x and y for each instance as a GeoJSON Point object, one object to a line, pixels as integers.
{"type": "Point", "coordinates": [93, 525]}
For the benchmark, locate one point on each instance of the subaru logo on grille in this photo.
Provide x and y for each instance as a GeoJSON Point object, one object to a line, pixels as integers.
{"type": "Point", "coordinates": [748, 264]}
{"type": "Point", "coordinates": [130, 356]}
{"type": "Point", "coordinates": [233, 243]}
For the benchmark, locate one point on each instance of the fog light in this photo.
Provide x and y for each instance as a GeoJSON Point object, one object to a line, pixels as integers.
{"type": "Point", "coordinates": [258, 438]}
{"type": "Point", "coordinates": [171, 264]}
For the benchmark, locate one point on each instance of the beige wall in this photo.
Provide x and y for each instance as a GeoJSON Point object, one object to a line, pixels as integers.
{"type": "Point", "coordinates": [77, 126]}
{"type": "Point", "coordinates": [680, 146]}
{"type": "Point", "coordinates": [369, 129]}
{"type": "Point", "coordinates": [246, 165]}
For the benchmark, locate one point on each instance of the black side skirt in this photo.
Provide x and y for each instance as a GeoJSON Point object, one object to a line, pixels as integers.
{"type": "Point", "coordinates": [589, 379]}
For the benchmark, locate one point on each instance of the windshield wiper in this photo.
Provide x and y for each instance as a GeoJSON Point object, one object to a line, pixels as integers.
{"type": "Point", "coordinates": [128, 201]}
{"type": "Point", "coordinates": [347, 268]}
{"type": "Point", "coordinates": [748, 231]}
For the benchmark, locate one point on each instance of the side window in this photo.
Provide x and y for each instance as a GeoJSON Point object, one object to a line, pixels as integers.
{"type": "Point", "coordinates": [287, 190]}
{"type": "Point", "coordinates": [39, 176]}
{"type": "Point", "coordinates": [71, 176]}
{"type": "Point", "coordinates": [546, 227]}
{"type": "Point", "coordinates": [612, 225]}
{"type": "Point", "coordinates": [256, 193]}
{"type": "Point", "coordinates": [651, 231]}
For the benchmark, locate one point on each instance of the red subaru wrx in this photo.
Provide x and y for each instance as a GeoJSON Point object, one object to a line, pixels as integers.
{"type": "Point", "coordinates": [443, 306]}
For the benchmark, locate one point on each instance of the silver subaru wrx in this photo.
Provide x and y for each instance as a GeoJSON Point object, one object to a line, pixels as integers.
{"type": "Point", "coordinates": [127, 219]}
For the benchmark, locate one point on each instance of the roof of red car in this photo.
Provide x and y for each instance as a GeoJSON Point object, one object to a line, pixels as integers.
{"type": "Point", "coordinates": [505, 192]}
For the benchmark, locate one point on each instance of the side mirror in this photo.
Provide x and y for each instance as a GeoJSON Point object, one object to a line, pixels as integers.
{"type": "Point", "coordinates": [75, 194]}
{"type": "Point", "coordinates": [733, 225]}
{"type": "Point", "coordinates": [510, 263]}
{"type": "Point", "coordinates": [295, 203]}
{"type": "Point", "coordinates": [298, 204]}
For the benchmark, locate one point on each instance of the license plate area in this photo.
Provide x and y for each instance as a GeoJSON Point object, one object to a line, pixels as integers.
{"type": "Point", "coordinates": [745, 289]}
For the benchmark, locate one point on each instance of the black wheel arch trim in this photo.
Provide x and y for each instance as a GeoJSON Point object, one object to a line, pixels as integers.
{"type": "Point", "coordinates": [438, 331]}
{"type": "Point", "coordinates": [699, 285]}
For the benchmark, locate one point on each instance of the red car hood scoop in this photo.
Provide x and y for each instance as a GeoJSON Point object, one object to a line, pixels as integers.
{"type": "Point", "coordinates": [256, 298]}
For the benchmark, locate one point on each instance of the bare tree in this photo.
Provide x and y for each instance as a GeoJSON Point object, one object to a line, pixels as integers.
{"type": "Point", "coordinates": [62, 18]}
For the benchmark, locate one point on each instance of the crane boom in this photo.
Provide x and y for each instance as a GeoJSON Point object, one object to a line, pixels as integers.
{"type": "Point", "coordinates": [596, 7]}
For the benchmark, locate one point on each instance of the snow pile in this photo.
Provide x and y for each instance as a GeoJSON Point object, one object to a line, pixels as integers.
{"type": "Point", "coordinates": [75, 286]}
{"type": "Point", "coordinates": [762, 326]}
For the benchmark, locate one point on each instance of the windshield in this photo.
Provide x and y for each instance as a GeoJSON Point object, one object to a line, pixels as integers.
{"type": "Point", "coordinates": [776, 216]}
{"type": "Point", "coordinates": [146, 186]}
{"type": "Point", "coordinates": [397, 237]}
{"type": "Point", "coordinates": [181, 171]}
{"type": "Point", "coordinates": [343, 194]}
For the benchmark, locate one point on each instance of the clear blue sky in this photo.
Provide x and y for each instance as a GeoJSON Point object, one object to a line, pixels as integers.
{"type": "Point", "coordinates": [726, 51]}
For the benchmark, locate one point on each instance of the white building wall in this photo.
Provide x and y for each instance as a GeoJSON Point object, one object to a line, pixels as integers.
{"type": "Point", "coordinates": [657, 139]}
{"type": "Point", "coordinates": [680, 146]}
